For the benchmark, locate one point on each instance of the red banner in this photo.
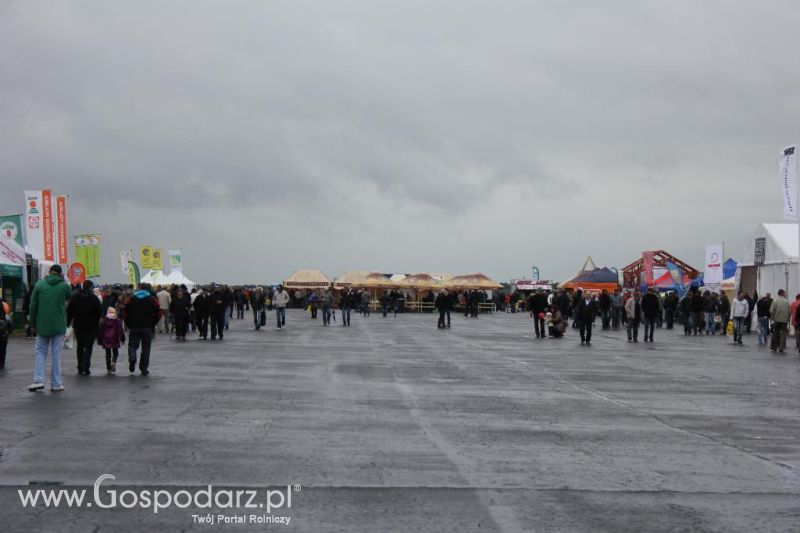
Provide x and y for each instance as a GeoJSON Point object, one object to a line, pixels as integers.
{"type": "Point", "coordinates": [76, 274]}
{"type": "Point", "coordinates": [647, 266]}
{"type": "Point", "coordinates": [61, 217]}
{"type": "Point", "coordinates": [47, 225]}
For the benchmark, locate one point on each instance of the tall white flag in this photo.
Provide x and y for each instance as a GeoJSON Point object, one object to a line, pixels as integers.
{"type": "Point", "coordinates": [788, 174]}
{"type": "Point", "coordinates": [712, 275]}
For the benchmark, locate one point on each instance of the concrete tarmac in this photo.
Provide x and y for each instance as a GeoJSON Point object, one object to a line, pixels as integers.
{"type": "Point", "coordinates": [394, 425]}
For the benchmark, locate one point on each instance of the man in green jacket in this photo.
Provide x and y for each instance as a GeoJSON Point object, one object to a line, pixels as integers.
{"type": "Point", "coordinates": [48, 320]}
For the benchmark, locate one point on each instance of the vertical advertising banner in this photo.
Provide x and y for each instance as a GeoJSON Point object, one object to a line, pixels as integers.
{"type": "Point", "coordinates": [146, 257]}
{"type": "Point", "coordinates": [647, 267]}
{"type": "Point", "coordinates": [11, 250]}
{"type": "Point", "coordinates": [34, 235]}
{"type": "Point", "coordinates": [712, 275]}
{"type": "Point", "coordinates": [47, 225]}
{"type": "Point", "coordinates": [677, 278]}
{"type": "Point", "coordinates": [787, 165]}
{"type": "Point", "coordinates": [175, 261]}
{"type": "Point", "coordinates": [125, 257]}
{"type": "Point", "coordinates": [87, 253]}
{"type": "Point", "coordinates": [158, 259]}
{"type": "Point", "coordinates": [61, 219]}
{"type": "Point", "coordinates": [760, 251]}
{"type": "Point", "coordinates": [133, 274]}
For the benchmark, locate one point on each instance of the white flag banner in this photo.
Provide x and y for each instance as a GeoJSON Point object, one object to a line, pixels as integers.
{"type": "Point", "coordinates": [712, 276]}
{"type": "Point", "coordinates": [788, 174]}
{"type": "Point", "coordinates": [11, 253]}
{"type": "Point", "coordinates": [124, 258]}
{"type": "Point", "coordinates": [33, 223]}
{"type": "Point", "coordinates": [175, 261]}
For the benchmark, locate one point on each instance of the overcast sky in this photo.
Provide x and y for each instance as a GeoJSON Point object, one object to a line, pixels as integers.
{"type": "Point", "coordinates": [261, 137]}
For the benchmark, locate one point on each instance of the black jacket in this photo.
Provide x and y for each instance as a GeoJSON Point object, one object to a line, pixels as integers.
{"type": "Point", "coordinates": [650, 305]}
{"type": "Point", "coordinates": [179, 307]}
{"type": "Point", "coordinates": [762, 307]}
{"type": "Point", "coordinates": [586, 312]}
{"type": "Point", "coordinates": [141, 311]}
{"type": "Point", "coordinates": [84, 312]}
{"type": "Point", "coordinates": [201, 305]}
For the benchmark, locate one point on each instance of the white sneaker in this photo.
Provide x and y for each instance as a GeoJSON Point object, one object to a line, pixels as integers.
{"type": "Point", "coordinates": [57, 388]}
{"type": "Point", "coordinates": [33, 387]}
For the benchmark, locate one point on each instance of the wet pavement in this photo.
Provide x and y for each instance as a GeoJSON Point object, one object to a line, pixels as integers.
{"type": "Point", "coordinates": [393, 425]}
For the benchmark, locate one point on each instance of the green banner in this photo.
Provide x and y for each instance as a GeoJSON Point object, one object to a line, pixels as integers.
{"type": "Point", "coordinates": [87, 253]}
{"type": "Point", "coordinates": [133, 274]}
{"type": "Point", "coordinates": [11, 227]}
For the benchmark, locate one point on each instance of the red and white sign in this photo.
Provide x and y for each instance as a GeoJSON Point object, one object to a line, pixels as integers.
{"type": "Point", "coordinates": [712, 274]}
{"type": "Point", "coordinates": [61, 218]}
{"type": "Point", "coordinates": [11, 253]}
{"type": "Point", "coordinates": [76, 273]}
{"type": "Point", "coordinates": [47, 225]}
{"type": "Point", "coordinates": [34, 238]}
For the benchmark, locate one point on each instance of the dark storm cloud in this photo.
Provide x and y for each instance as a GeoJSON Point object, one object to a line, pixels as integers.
{"type": "Point", "coordinates": [535, 125]}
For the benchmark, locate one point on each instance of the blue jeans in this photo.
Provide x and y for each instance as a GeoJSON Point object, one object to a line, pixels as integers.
{"type": "Point", "coordinates": [345, 316]}
{"type": "Point", "coordinates": [649, 326]}
{"type": "Point", "coordinates": [228, 313]}
{"type": "Point", "coordinates": [710, 323]}
{"type": "Point", "coordinates": [763, 330]}
{"type": "Point", "coordinates": [738, 326]}
{"type": "Point", "coordinates": [54, 343]}
{"type": "Point", "coordinates": [145, 337]}
{"type": "Point", "coordinates": [280, 314]}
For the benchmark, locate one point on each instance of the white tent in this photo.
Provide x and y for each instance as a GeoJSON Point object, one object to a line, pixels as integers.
{"type": "Point", "coordinates": [157, 277]}
{"type": "Point", "coordinates": [780, 270]}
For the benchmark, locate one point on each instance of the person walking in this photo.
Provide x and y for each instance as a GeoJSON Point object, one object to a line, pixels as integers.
{"type": "Point", "coordinates": [650, 309]}
{"type": "Point", "coordinates": [327, 302]}
{"type": "Point", "coordinates": [604, 304]}
{"type": "Point", "coordinates": [111, 338]}
{"type": "Point", "coordinates": [365, 303]}
{"type": "Point", "coordinates": [164, 299]}
{"type": "Point", "coordinates": [257, 302]}
{"type": "Point", "coordinates": [670, 308]}
{"type": "Point", "coordinates": [698, 308]}
{"type": "Point", "coordinates": [710, 309]}
{"type": "Point", "coordinates": [142, 313]}
{"type": "Point", "coordinates": [538, 307]}
{"type": "Point", "coordinates": [280, 300]}
{"type": "Point", "coordinates": [724, 311]}
{"type": "Point", "coordinates": [83, 314]}
{"type": "Point", "coordinates": [218, 309]}
{"type": "Point", "coordinates": [763, 306]}
{"type": "Point", "coordinates": [179, 309]}
{"type": "Point", "coordinates": [780, 311]}
{"type": "Point", "coordinates": [633, 309]}
{"type": "Point", "coordinates": [6, 326]}
{"type": "Point", "coordinates": [442, 302]}
{"type": "Point", "coordinates": [48, 321]}
{"type": "Point", "coordinates": [202, 310]}
{"type": "Point", "coordinates": [685, 309]}
{"type": "Point", "coordinates": [346, 305]}
{"type": "Point", "coordinates": [616, 308]}
{"type": "Point", "coordinates": [585, 314]}
{"type": "Point", "coordinates": [740, 308]}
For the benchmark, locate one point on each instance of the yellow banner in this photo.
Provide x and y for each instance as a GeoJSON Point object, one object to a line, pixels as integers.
{"type": "Point", "coordinates": [146, 256]}
{"type": "Point", "coordinates": [158, 259]}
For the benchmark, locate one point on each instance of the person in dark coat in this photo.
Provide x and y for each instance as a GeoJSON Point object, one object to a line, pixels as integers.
{"type": "Point", "coordinates": [442, 305]}
{"type": "Point", "coordinates": [257, 301]}
{"type": "Point", "coordinates": [650, 310]}
{"type": "Point", "coordinates": [538, 306]}
{"type": "Point", "coordinates": [142, 313]}
{"type": "Point", "coordinates": [179, 308]}
{"type": "Point", "coordinates": [218, 307]}
{"type": "Point", "coordinates": [698, 308]}
{"type": "Point", "coordinates": [585, 312]}
{"type": "Point", "coordinates": [202, 309]}
{"type": "Point", "coordinates": [84, 312]}
{"type": "Point", "coordinates": [670, 308]}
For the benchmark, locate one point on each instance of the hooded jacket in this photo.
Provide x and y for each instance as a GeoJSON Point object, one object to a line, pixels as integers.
{"type": "Point", "coordinates": [48, 314]}
{"type": "Point", "coordinates": [111, 333]}
{"type": "Point", "coordinates": [141, 311]}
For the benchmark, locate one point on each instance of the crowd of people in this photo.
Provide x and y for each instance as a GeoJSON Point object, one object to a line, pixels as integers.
{"type": "Point", "coordinates": [113, 315]}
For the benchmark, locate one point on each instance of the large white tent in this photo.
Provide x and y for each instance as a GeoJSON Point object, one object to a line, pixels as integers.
{"type": "Point", "coordinates": [157, 277]}
{"type": "Point", "coordinates": [780, 268]}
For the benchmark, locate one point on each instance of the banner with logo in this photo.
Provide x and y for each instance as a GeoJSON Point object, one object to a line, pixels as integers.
{"type": "Point", "coordinates": [712, 274]}
{"type": "Point", "coordinates": [677, 278]}
{"type": "Point", "coordinates": [535, 272]}
{"type": "Point", "coordinates": [47, 226]}
{"type": "Point", "coordinates": [125, 257]}
{"type": "Point", "coordinates": [87, 253]}
{"type": "Point", "coordinates": [11, 228]}
{"type": "Point", "coordinates": [175, 261]}
{"type": "Point", "coordinates": [146, 256]}
{"type": "Point", "coordinates": [33, 224]}
{"type": "Point", "coordinates": [787, 166]}
{"type": "Point", "coordinates": [61, 230]}
{"type": "Point", "coordinates": [76, 274]}
{"type": "Point", "coordinates": [12, 252]}
{"type": "Point", "coordinates": [158, 259]}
